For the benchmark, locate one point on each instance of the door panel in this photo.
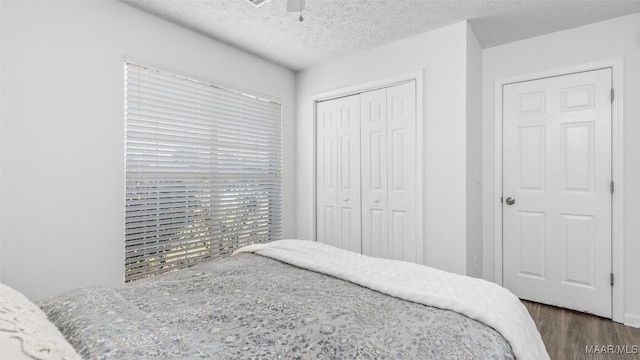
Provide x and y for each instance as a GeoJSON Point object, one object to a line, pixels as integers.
{"type": "Point", "coordinates": [349, 177]}
{"type": "Point", "coordinates": [327, 173]}
{"type": "Point", "coordinates": [397, 159]}
{"type": "Point", "coordinates": [557, 168]}
{"type": "Point", "coordinates": [578, 144]}
{"type": "Point", "coordinates": [578, 249]}
{"type": "Point", "coordinates": [531, 244]}
{"type": "Point", "coordinates": [531, 158]}
{"type": "Point", "coordinates": [374, 169]}
{"type": "Point", "coordinates": [401, 137]}
{"type": "Point", "coordinates": [398, 235]}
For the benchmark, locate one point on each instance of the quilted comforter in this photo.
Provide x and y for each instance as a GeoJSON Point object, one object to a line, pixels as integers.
{"type": "Point", "coordinates": [252, 307]}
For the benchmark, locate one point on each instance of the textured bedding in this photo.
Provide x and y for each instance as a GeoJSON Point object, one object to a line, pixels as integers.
{"type": "Point", "coordinates": [252, 307]}
{"type": "Point", "coordinates": [484, 301]}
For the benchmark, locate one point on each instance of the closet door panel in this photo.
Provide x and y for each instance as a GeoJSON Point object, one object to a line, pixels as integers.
{"type": "Point", "coordinates": [375, 239]}
{"type": "Point", "coordinates": [348, 200]}
{"type": "Point", "coordinates": [401, 162]}
{"type": "Point", "coordinates": [327, 172]}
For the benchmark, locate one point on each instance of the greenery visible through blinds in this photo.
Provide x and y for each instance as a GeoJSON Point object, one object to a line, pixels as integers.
{"type": "Point", "coordinates": [203, 171]}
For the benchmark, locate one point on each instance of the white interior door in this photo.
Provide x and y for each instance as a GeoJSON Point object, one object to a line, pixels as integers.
{"type": "Point", "coordinates": [389, 173]}
{"type": "Point", "coordinates": [556, 189]}
{"type": "Point", "coordinates": [338, 173]}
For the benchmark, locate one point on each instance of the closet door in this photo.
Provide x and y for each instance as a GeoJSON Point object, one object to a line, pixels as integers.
{"type": "Point", "coordinates": [327, 172]}
{"type": "Point", "coordinates": [401, 165]}
{"type": "Point", "coordinates": [349, 219]}
{"type": "Point", "coordinates": [375, 241]}
{"type": "Point", "coordinates": [389, 173]}
{"type": "Point", "coordinates": [338, 173]}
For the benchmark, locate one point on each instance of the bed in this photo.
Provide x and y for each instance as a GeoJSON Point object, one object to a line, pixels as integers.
{"type": "Point", "coordinates": [294, 299]}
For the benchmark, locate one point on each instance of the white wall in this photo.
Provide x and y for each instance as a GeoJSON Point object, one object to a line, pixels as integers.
{"type": "Point", "coordinates": [62, 120]}
{"type": "Point", "coordinates": [442, 55]}
{"type": "Point", "coordinates": [474, 155]}
{"type": "Point", "coordinates": [617, 38]}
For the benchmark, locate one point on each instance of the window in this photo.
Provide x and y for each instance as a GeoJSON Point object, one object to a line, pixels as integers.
{"type": "Point", "coordinates": [203, 171]}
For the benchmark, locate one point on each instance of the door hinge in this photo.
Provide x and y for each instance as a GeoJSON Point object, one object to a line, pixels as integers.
{"type": "Point", "coordinates": [501, 199]}
{"type": "Point", "coordinates": [611, 186]}
{"type": "Point", "coordinates": [611, 279]}
{"type": "Point", "coordinates": [612, 94]}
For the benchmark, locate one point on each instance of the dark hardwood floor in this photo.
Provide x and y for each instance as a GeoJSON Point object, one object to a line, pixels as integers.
{"type": "Point", "coordinates": [570, 334]}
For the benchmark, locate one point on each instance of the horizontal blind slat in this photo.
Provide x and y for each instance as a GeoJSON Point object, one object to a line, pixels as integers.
{"type": "Point", "coordinates": [151, 246]}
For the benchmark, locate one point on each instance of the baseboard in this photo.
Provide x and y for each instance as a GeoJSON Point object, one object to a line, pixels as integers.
{"type": "Point", "coordinates": [632, 320]}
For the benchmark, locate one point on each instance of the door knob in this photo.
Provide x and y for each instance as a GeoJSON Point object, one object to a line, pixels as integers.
{"type": "Point", "coordinates": [346, 198]}
{"type": "Point", "coordinates": [376, 200]}
{"type": "Point", "coordinates": [510, 201]}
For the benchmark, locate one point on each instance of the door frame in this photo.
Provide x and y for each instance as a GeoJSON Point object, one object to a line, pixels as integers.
{"type": "Point", "coordinates": [617, 202]}
{"type": "Point", "coordinates": [418, 77]}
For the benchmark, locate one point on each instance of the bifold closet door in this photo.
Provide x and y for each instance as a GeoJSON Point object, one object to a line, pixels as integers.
{"type": "Point", "coordinates": [388, 165]}
{"type": "Point", "coordinates": [338, 173]}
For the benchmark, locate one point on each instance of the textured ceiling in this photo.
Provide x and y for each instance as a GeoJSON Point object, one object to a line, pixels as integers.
{"type": "Point", "coordinates": [335, 28]}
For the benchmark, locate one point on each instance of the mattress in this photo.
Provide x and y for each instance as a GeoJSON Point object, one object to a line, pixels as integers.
{"type": "Point", "coordinates": [252, 307]}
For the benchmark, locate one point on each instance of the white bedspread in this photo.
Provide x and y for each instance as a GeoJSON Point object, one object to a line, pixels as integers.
{"type": "Point", "coordinates": [478, 299]}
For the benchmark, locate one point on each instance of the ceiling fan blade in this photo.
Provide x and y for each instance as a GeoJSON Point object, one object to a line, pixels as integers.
{"type": "Point", "coordinates": [295, 5]}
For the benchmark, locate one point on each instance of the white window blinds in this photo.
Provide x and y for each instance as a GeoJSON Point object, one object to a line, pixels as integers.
{"type": "Point", "coordinates": [203, 171]}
